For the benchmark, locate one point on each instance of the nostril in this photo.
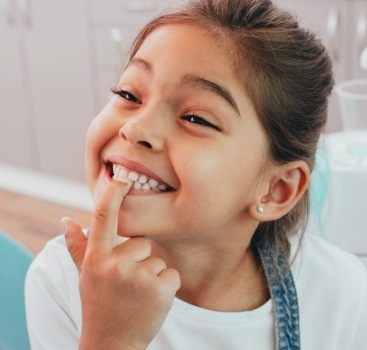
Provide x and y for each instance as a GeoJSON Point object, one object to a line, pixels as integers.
{"type": "Point", "coordinates": [145, 144]}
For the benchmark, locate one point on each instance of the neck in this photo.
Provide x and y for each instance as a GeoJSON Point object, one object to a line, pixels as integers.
{"type": "Point", "coordinates": [217, 277]}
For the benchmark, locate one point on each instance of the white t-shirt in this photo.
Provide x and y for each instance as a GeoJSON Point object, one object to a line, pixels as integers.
{"type": "Point", "coordinates": [332, 294]}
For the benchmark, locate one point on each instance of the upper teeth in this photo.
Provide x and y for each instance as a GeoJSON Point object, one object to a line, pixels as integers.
{"type": "Point", "coordinates": [140, 181]}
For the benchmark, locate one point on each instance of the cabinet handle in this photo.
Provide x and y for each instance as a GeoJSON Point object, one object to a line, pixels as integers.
{"type": "Point", "coordinates": [25, 12]}
{"type": "Point", "coordinates": [116, 37]}
{"type": "Point", "coordinates": [333, 23]}
{"type": "Point", "coordinates": [140, 5]}
{"type": "Point", "coordinates": [8, 8]}
{"type": "Point", "coordinates": [361, 32]}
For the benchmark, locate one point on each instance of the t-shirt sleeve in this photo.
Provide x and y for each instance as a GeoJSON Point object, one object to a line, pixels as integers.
{"type": "Point", "coordinates": [359, 341]}
{"type": "Point", "coordinates": [52, 299]}
{"type": "Point", "coordinates": [331, 286]}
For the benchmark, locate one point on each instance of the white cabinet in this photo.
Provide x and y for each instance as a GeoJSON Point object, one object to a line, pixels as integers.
{"type": "Point", "coordinates": [61, 85]}
{"type": "Point", "coordinates": [45, 74]}
{"type": "Point", "coordinates": [16, 129]}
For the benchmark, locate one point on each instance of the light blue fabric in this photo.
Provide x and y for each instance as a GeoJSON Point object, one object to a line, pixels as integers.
{"type": "Point", "coordinates": [283, 294]}
{"type": "Point", "coordinates": [14, 263]}
{"type": "Point", "coordinates": [319, 186]}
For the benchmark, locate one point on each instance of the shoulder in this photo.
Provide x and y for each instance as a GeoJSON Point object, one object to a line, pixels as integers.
{"type": "Point", "coordinates": [332, 290]}
{"type": "Point", "coordinates": [323, 264]}
{"type": "Point", "coordinates": [53, 256]}
{"type": "Point", "coordinates": [53, 269]}
{"type": "Point", "coordinates": [320, 258]}
{"type": "Point", "coordinates": [52, 298]}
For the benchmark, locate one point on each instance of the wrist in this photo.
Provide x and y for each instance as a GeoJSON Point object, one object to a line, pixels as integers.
{"type": "Point", "coordinates": [104, 343]}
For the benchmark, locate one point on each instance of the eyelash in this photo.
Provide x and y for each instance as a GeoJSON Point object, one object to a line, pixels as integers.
{"type": "Point", "coordinates": [125, 95]}
{"type": "Point", "coordinates": [195, 119]}
{"type": "Point", "coordinates": [192, 118]}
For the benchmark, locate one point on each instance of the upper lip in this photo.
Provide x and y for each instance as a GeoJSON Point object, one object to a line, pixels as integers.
{"type": "Point", "coordinates": [134, 166]}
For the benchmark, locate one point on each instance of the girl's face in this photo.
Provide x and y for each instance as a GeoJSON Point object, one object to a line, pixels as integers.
{"type": "Point", "coordinates": [181, 119]}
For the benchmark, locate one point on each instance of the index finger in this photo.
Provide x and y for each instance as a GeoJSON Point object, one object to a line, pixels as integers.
{"type": "Point", "coordinates": [103, 231]}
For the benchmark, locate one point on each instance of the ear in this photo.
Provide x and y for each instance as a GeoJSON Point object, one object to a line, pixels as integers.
{"type": "Point", "coordinates": [286, 186]}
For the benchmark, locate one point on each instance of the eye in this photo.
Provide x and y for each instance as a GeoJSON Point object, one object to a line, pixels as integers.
{"type": "Point", "coordinates": [195, 119]}
{"type": "Point", "coordinates": [125, 95]}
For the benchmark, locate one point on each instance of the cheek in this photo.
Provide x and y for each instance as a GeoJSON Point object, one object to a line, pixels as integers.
{"type": "Point", "coordinates": [96, 133]}
{"type": "Point", "coordinates": [102, 129]}
{"type": "Point", "coordinates": [207, 184]}
{"type": "Point", "coordinates": [93, 147]}
{"type": "Point", "coordinates": [103, 126]}
{"type": "Point", "coordinates": [222, 179]}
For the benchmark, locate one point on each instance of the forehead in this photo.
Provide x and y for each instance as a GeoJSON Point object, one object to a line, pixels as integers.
{"type": "Point", "coordinates": [175, 52]}
{"type": "Point", "coordinates": [189, 47]}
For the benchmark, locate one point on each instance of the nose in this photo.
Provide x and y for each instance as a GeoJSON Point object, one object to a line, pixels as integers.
{"type": "Point", "coordinates": [144, 130]}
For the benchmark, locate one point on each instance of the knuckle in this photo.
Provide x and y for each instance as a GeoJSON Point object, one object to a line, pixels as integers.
{"type": "Point", "coordinates": [160, 263]}
{"type": "Point", "coordinates": [101, 271]}
{"type": "Point", "coordinates": [145, 245]}
{"type": "Point", "coordinates": [142, 276]}
{"type": "Point", "coordinates": [122, 269]}
{"type": "Point", "coordinates": [172, 279]}
{"type": "Point", "coordinates": [138, 243]}
{"type": "Point", "coordinates": [101, 213]}
{"type": "Point", "coordinates": [163, 293]}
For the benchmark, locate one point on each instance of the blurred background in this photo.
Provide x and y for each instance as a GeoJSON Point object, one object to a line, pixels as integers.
{"type": "Point", "coordinates": [59, 60]}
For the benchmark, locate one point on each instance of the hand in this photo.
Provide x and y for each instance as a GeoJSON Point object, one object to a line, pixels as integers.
{"type": "Point", "coordinates": [126, 294]}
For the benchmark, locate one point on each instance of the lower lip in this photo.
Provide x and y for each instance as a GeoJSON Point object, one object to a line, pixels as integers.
{"type": "Point", "coordinates": [143, 192]}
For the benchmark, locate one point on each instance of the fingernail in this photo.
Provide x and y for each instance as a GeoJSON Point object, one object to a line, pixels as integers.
{"type": "Point", "coordinates": [64, 224]}
{"type": "Point", "coordinates": [124, 180]}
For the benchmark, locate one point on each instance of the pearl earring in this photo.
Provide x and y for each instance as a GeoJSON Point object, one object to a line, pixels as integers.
{"type": "Point", "coordinates": [260, 209]}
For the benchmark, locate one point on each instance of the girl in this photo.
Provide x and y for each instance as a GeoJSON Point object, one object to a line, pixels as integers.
{"type": "Point", "coordinates": [199, 168]}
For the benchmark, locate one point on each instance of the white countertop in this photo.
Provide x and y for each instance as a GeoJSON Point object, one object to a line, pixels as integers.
{"type": "Point", "coordinates": [46, 187]}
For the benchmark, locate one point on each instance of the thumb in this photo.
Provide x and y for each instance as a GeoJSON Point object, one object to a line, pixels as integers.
{"type": "Point", "coordinates": [76, 241]}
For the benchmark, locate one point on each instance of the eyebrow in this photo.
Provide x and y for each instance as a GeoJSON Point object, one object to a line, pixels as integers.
{"type": "Point", "coordinates": [136, 61]}
{"type": "Point", "coordinates": [193, 80]}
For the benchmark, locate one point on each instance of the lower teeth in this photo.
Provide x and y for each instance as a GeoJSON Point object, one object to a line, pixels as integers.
{"type": "Point", "coordinates": [132, 177]}
{"type": "Point", "coordinates": [139, 186]}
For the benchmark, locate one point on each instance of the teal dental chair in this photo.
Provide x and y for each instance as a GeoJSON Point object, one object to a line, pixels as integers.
{"type": "Point", "coordinates": [14, 262]}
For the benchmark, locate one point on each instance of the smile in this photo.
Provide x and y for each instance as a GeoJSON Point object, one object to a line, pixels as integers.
{"type": "Point", "coordinates": [140, 181]}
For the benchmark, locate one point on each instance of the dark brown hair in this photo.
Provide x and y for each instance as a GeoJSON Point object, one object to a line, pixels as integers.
{"type": "Point", "coordinates": [285, 70]}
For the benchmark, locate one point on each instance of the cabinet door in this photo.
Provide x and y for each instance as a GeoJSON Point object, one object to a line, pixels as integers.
{"type": "Point", "coordinates": [15, 118]}
{"type": "Point", "coordinates": [111, 45]}
{"type": "Point", "coordinates": [57, 44]}
{"type": "Point", "coordinates": [358, 27]}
